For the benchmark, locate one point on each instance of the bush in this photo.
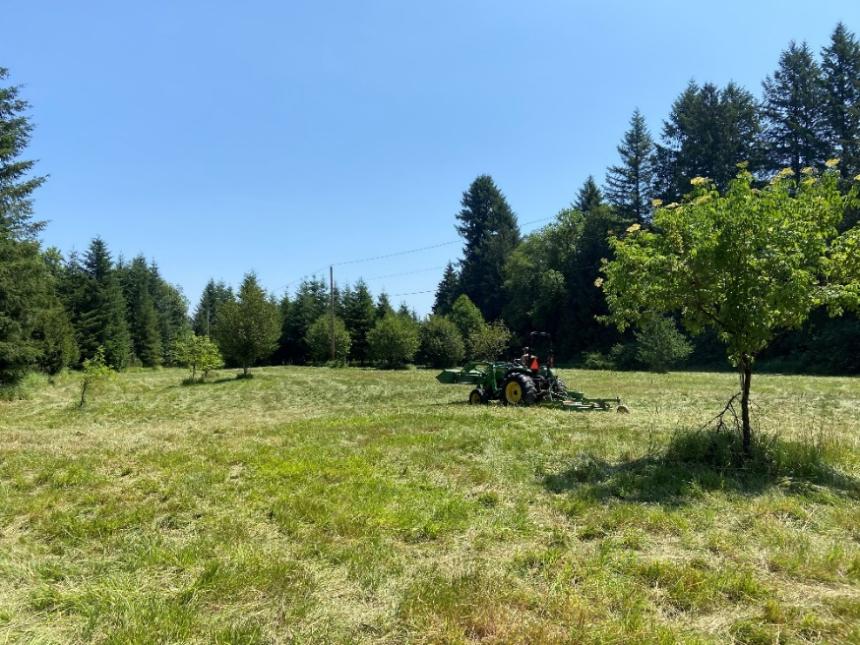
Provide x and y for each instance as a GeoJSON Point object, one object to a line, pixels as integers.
{"type": "Point", "coordinates": [96, 371]}
{"type": "Point", "coordinates": [393, 341]}
{"type": "Point", "coordinates": [318, 340]}
{"type": "Point", "coordinates": [196, 353]}
{"type": "Point", "coordinates": [659, 344]}
{"type": "Point", "coordinates": [441, 343]}
{"type": "Point", "coordinates": [467, 317]}
{"type": "Point", "coordinates": [488, 342]}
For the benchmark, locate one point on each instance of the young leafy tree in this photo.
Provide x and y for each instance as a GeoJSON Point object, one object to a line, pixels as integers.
{"type": "Point", "coordinates": [447, 291]}
{"type": "Point", "coordinates": [489, 229]}
{"type": "Point", "coordinates": [589, 197]}
{"type": "Point", "coordinates": [197, 353]}
{"type": "Point", "coordinates": [441, 343]}
{"type": "Point", "coordinates": [630, 183]}
{"type": "Point", "coordinates": [490, 341]}
{"type": "Point", "coordinates": [841, 74]}
{"type": "Point", "coordinates": [468, 319]}
{"type": "Point", "coordinates": [393, 341]}
{"type": "Point", "coordinates": [318, 340]}
{"type": "Point", "coordinates": [746, 264]}
{"type": "Point", "coordinates": [359, 315]}
{"type": "Point", "coordinates": [794, 111]}
{"type": "Point", "coordinates": [96, 371]}
{"type": "Point", "coordinates": [101, 309]}
{"type": "Point", "coordinates": [248, 327]}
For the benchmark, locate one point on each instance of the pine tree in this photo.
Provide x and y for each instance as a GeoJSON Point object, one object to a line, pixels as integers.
{"type": "Point", "coordinates": [709, 131]}
{"type": "Point", "coordinates": [248, 327]}
{"type": "Point", "coordinates": [841, 76]}
{"type": "Point", "coordinates": [359, 315]}
{"type": "Point", "coordinates": [101, 309]}
{"type": "Point", "coordinates": [589, 197]}
{"type": "Point", "coordinates": [489, 228]}
{"type": "Point", "coordinates": [794, 112]}
{"type": "Point", "coordinates": [447, 291]}
{"type": "Point", "coordinates": [629, 184]}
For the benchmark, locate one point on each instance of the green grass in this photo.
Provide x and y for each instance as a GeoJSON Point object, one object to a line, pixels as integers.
{"type": "Point", "coordinates": [317, 505]}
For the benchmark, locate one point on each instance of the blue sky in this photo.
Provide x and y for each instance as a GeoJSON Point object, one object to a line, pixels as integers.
{"type": "Point", "coordinates": [221, 137]}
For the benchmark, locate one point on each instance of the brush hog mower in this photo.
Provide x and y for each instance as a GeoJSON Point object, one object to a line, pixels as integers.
{"type": "Point", "coordinates": [525, 381]}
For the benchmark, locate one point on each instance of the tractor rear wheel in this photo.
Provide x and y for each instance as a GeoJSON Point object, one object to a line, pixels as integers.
{"type": "Point", "coordinates": [476, 397]}
{"type": "Point", "coordinates": [519, 389]}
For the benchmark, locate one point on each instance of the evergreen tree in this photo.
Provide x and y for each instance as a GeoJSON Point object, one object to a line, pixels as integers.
{"type": "Point", "coordinates": [101, 309]}
{"type": "Point", "coordinates": [841, 76]}
{"type": "Point", "coordinates": [794, 111]}
{"type": "Point", "coordinates": [359, 315]}
{"type": "Point", "coordinates": [709, 131]}
{"type": "Point", "coordinates": [311, 302]}
{"type": "Point", "coordinates": [589, 197]}
{"type": "Point", "coordinates": [489, 228]}
{"type": "Point", "coordinates": [447, 291]}
{"type": "Point", "coordinates": [629, 184]}
{"type": "Point", "coordinates": [383, 306]}
{"type": "Point", "coordinates": [248, 327]}
{"type": "Point", "coordinates": [141, 315]}
{"type": "Point", "coordinates": [171, 307]}
{"type": "Point", "coordinates": [17, 182]}
{"type": "Point", "coordinates": [33, 326]}
{"type": "Point", "coordinates": [214, 295]}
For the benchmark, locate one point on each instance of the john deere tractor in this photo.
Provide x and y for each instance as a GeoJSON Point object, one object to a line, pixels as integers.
{"type": "Point", "coordinates": [527, 380]}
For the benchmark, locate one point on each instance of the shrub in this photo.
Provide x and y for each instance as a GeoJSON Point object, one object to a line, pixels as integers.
{"type": "Point", "coordinates": [488, 342]}
{"type": "Point", "coordinates": [95, 371]}
{"type": "Point", "coordinates": [659, 344]}
{"type": "Point", "coordinates": [467, 317]}
{"type": "Point", "coordinates": [318, 340]}
{"type": "Point", "coordinates": [393, 341]}
{"type": "Point", "coordinates": [441, 343]}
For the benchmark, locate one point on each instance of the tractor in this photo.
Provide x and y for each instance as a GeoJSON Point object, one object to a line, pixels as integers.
{"type": "Point", "coordinates": [530, 379]}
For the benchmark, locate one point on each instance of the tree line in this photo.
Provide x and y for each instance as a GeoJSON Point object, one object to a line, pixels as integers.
{"type": "Point", "coordinates": [58, 312]}
{"type": "Point", "coordinates": [808, 112]}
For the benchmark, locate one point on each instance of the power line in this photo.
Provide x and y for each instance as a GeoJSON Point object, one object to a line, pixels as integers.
{"type": "Point", "coordinates": [391, 255]}
{"type": "Point", "coordinates": [410, 293]}
{"type": "Point", "coordinates": [397, 275]}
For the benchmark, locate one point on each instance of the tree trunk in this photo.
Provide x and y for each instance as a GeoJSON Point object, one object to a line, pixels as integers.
{"type": "Point", "coordinates": [746, 376]}
{"type": "Point", "coordinates": [245, 370]}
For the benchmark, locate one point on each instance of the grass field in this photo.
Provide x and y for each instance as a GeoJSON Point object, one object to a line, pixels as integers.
{"type": "Point", "coordinates": [316, 505]}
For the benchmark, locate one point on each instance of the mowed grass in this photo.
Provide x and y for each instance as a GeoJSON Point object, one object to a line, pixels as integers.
{"type": "Point", "coordinates": [318, 505]}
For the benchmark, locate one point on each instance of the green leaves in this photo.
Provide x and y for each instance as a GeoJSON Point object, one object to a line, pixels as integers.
{"type": "Point", "coordinates": [746, 264]}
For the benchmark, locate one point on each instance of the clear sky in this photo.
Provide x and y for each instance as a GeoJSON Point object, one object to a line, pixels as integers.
{"type": "Point", "coordinates": [221, 137]}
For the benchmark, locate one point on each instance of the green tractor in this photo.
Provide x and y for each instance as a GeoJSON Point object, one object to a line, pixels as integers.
{"type": "Point", "coordinates": [527, 380]}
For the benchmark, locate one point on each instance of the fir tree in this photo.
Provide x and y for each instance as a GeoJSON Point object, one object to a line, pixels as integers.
{"type": "Point", "coordinates": [447, 291]}
{"type": "Point", "coordinates": [248, 326]}
{"type": "Point", "coordinates": [311, 302]}
{"type": "Point", "coordinates": [589, 197]}
{"type": "Point", "coordinates": [359, 315]}
{"type": "Point", "coordinates": [101, 309]}
{"type": "Point", "coordinates": [383, 306]}
{"type": "Point", "coordinates": [489, 229]}
{"type": "Point", "coordinates": [214, 295]}
{"type": "Point", "coordinates": [629, 184]}
{"type": "Point", "coordinates": [141, 315]}
{"type": "Point", "coordinates": [841, 76]}
{"type": "Point", "coordinates": [794, 111]}
{"type": "Point", "coordinates": [708, 132]}
{"type": "Point", "coordinates": [171, 308]}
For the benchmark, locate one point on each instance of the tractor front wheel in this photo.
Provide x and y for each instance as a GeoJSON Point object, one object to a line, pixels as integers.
{"type": "Point", "coordinates": [476, 397]}
{"type": "Point", "coordinates": [519, 389]}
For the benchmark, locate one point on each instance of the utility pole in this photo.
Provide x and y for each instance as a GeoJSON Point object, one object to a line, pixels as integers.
{"type": "Point", "coordinates": [331, 307]}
